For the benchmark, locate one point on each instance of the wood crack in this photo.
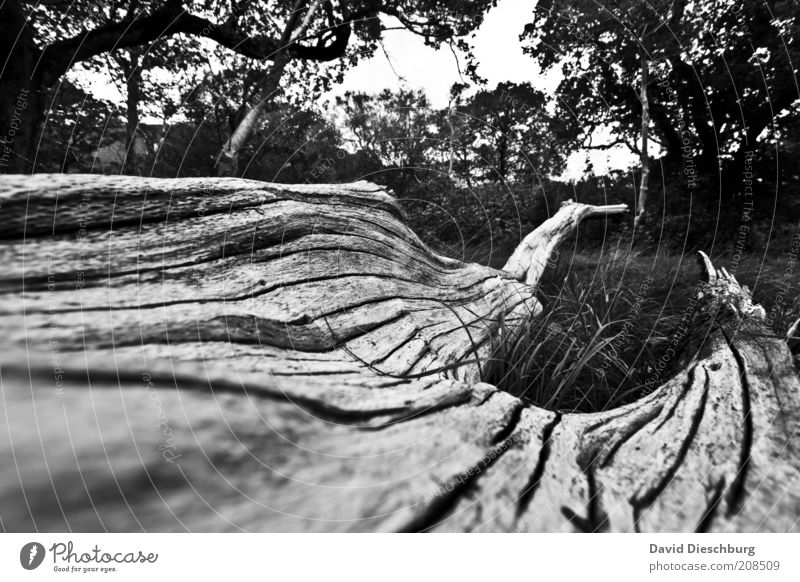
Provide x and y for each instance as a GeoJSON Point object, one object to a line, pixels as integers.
{"type": "Point", "coordinates": [596, 519]}
{"type": "Point", "coordinates": [630, 430]}
{"type": "Point", "coordinates": [458, 486]}
{"type": "Point", "coordinates": [707, 520]}
{"type": "Point", "coordinates": [525, 498]}
{"type": "Point", "coordinates": [643, 500]}
{"type": "Point", "coordinates": [736, 493]}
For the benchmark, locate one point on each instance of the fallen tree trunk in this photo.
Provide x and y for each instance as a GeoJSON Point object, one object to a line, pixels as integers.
{"type": "Point", "coordinates": [222, 354]}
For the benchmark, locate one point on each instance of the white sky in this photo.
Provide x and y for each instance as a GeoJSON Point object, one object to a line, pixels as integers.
{"type": "Point", "coordinates": [497, 50]}
{"type": "Point", "coordinates": [500, 57]}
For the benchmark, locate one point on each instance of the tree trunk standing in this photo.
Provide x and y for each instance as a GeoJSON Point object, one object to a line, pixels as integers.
{"type": "Point", "coordinates": [696, 114]}
{"type": "Point", "coordinates": [452, 145]}
{"type": "Point", "coordinates": [644, 156]}
{"type": "Point", "coordinates": [20, 92]}
{"type": "Point", "coordinates": [29, 70]}
{"type": "Point", "coordinates": [133, 80]}
{"type": "Point", "coordinates": [228, 160]}
{"type": "Point", "coordinates": [502, 155]}
{"type": "Point", "coordinates": [467, 165]}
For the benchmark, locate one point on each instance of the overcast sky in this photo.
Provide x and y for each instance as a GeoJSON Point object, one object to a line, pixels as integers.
{"type": "Point", "coordinates": [500, 57]}
{"type": "Point", "coordinates": [497, 49]}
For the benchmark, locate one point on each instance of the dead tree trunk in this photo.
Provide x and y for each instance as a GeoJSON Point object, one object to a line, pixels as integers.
{"type": "Point", "coordinates": [212, 354]}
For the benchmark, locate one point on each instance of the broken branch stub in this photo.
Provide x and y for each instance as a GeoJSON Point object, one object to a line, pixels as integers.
{"type": "Point", "coordinates": [529, 260]}
{"type": "Point", "coordinates": [227, 354]}
{"type": "Point", "coordinates": [793, 337]}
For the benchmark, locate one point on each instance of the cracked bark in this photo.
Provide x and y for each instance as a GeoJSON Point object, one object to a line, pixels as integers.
{"type": "Point", "coordinates": [318, 369]}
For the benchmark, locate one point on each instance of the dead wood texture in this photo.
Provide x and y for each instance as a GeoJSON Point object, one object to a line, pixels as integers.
{"type": "Point", "coordinates": [223, 354]}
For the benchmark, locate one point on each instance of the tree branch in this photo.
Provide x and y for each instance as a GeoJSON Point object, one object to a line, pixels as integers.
{"type": "Point", "coordinates": [172, 19]}
{"type": "Point", "coordinates": [529, 260]}
{"type": "Point", "coordinates": [766, 114]}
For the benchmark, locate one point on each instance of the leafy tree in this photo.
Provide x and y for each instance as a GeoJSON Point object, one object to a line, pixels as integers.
{"type": "Point", "coordinates": [503, 134]}
{"type": "Point", "coordinates": [77, 126]}
{"type": "Point", "coordinates": [397, 129]}
{"type": "Point", "coordinates": [511, 135]}
{"type": "Point", "coordinates": [716, 75]}
{"type": "Point", "coordinates": [296, 146]}
{"type": "Point", "coordinates": [154, 84]}
{"type": "Point", "coordinates": [41, 41]}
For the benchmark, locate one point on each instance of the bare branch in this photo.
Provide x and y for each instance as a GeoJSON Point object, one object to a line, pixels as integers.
{"type": "Point", "coordinates": [529, 259]}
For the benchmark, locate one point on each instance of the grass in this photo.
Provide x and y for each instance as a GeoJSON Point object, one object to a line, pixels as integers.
{"type": "Point", "coordinates": [606, 322]}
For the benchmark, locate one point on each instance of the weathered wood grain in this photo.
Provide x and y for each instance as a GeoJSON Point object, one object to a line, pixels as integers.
{"type": "Point", "coordinates": [225, 354]}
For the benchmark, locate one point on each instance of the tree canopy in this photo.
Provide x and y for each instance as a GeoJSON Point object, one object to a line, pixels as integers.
{"type": "Point", "coordinates": [44, 40]}
{"type": "Point", "coordinates": [721, 73]}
